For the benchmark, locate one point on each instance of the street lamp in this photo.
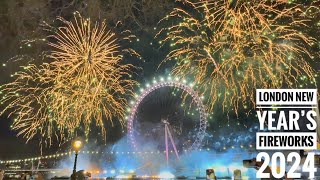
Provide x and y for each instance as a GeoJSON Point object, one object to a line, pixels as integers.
{"type": "Point", "coordinates": [76, 145]}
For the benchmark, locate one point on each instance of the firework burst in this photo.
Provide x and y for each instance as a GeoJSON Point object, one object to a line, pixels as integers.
{"type": "Point", "coordinates": [84, 82]}
{"type": "Point", "coordinates": [231, 48]}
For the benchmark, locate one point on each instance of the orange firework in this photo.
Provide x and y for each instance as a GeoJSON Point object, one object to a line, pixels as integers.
{"type": "Point", "coordinates": [231, 48]}
{"type": "Point", "coordinates": [84, 82]}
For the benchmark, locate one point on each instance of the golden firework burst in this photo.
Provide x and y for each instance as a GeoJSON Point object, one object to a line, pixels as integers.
{"type": "Point", "coordinates": [84, 82]}
{"type": "Point", "coordinates": [231, 48]}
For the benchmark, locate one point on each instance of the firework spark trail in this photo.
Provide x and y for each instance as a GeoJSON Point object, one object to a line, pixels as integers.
{"type": "Point", "coordinates": [83, 82]}
{"type": "Point", "coordinates": [231, 48]}
{"type": "Point", "coordinates": [25, 100]}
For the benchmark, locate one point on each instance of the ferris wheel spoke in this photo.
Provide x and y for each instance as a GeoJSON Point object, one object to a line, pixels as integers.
{"type": "Point", "coordinates": [172, 141]}
{"type": "Point", "coordinates": [166, 139]}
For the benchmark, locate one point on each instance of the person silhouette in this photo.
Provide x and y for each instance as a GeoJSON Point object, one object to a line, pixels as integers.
{"type": "Point", "coordinates": [1, 174]}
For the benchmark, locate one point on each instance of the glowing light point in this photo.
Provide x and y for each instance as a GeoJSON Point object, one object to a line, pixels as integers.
{"type": "Point", "coordinates": [166, 175]}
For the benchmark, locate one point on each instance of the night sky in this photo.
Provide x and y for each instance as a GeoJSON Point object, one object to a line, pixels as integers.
{"type": "Point", "coordinates": [21, 20]}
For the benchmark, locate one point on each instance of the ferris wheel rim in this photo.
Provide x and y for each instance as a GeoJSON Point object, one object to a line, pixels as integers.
{"type": "Point", "coordinates": [176, 84]}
